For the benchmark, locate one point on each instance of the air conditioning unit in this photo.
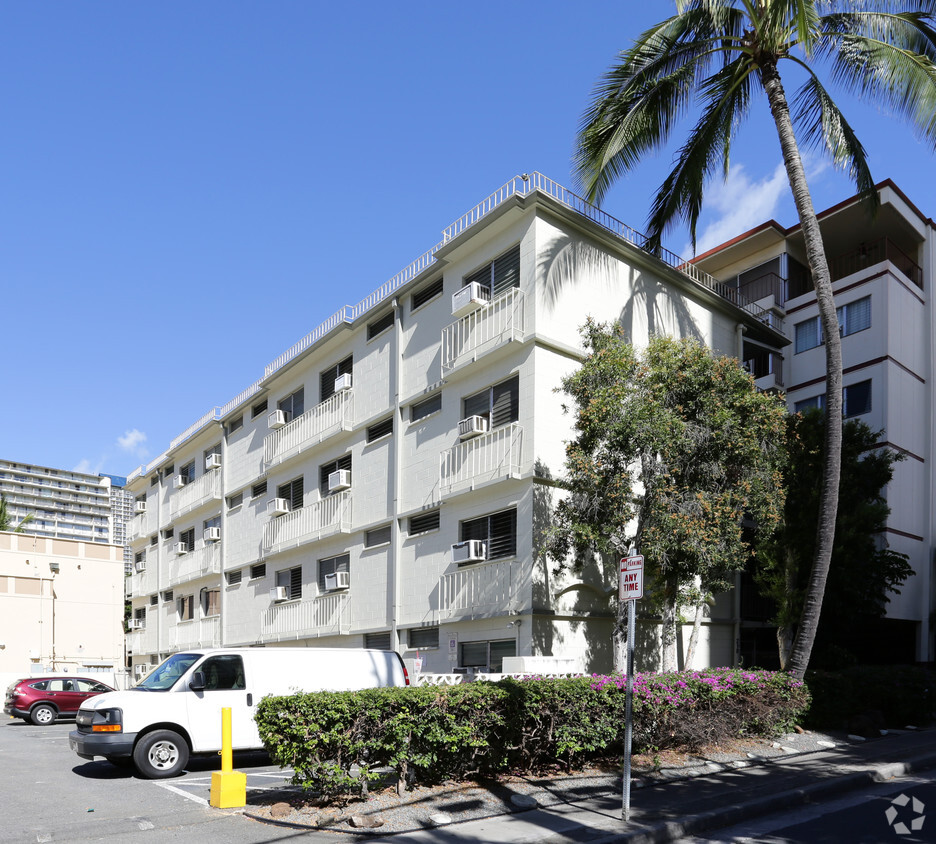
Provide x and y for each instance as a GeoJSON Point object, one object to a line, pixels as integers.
{"type": "Point", "coordinates": [213, 461]}
{"type": "Point", "coordinates": [212, 534]}
{"type": "Point", "coordinates": [470, 298]}
{"type": "Point", "coordinates": [181, 548]}
{"type": "Point", "coordinates": [136, 624]}
{"type": "Point", "coordinates": [343, 382]}
{"type": "Point", "coordinates": [140, 566]}
{"type": "Point", "coordinates": [139, 670]}
{"type": "Point", "coordinates": [179, 481]}
{"type": "Point", "coordinates": [338, 580]}
{"type": "Point", "coordinates": [141, 506]}
{"type": "Point", "coordinates": [339, 480]}
{"type": "Point", "coordinates": [278, 506]}
{"type": "Point", "coordinates": [277, 419]}
{"type": "Point", "coordinates": [470, 551]}
{"type": "Point", "coordinates": [472, 426]}
{"type": "Point", "coordinates": [279, 593]}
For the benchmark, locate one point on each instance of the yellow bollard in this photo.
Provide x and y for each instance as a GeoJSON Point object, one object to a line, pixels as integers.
{"type": "Point", "coordinates": [228, 787]}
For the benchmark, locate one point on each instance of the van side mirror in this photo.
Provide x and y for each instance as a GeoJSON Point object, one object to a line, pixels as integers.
{"type": "Point", "coordinates": [197, 683]}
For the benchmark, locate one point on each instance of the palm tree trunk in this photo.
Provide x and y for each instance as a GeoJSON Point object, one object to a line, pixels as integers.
{"type": "Point", "coordinates": [818, 265]}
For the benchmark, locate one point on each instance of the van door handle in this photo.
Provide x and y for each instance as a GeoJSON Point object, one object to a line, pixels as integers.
{"type": "Point", "coordinates": [249, 699]}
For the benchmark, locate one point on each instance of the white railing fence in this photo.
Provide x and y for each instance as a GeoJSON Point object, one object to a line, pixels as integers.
{"type": "Point", "coordinates": [331, 415]}
{"type": "Point", "coordinates": [489, 456]}
{"type": "Point", "coordinates": [498, 322]}
{"type": "Point", "coordinates": [330, 515]}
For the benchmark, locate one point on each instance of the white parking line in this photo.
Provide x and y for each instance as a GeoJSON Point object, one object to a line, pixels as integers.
{"type": "Point", "coordinates": [183, 792]}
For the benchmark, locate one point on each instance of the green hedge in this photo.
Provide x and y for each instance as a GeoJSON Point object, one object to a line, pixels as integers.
{"type": "Point", "coordinates": [430, 734]}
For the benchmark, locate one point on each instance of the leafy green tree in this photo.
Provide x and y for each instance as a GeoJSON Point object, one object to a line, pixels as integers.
{"type": "Point", "coordinates": [675, 447]}
{"type": "Point", "coordinates": [863, 569]}
{"type": "Point", "coordinates": [717, 55]}
{"type": "Point", "coordinates": [6, 522]}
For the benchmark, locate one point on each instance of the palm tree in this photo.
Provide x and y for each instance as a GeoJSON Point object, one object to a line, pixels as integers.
{"type": "Point", "coordinates": [719, 54]}
{"type": "Point", "coordinates": [6, 523]}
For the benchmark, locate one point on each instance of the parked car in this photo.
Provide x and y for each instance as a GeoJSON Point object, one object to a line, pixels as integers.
{"type": "Point", "coordinates": [43, 699]}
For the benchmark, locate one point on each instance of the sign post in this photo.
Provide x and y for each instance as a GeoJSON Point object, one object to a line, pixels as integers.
{"type": "Point", "coordinates": [631, 590]}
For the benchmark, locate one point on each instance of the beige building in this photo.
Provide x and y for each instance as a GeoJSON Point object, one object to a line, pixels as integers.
{"type": "Point", "coordinates": [61, 605]}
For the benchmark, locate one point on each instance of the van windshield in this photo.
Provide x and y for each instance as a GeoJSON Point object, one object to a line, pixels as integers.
{"type": "Point", "coordinates": [164, 676]}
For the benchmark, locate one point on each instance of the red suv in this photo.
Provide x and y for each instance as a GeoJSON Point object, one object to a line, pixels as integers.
{"type": "Point", "coordinates": [43, 699]}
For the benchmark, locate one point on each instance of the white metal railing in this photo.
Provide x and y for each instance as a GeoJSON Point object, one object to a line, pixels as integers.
{"type": "Point", "coordinates": [332, 415]}
{"type": "Point", "coordinates": [198, 633]}
{"type": "Point", "coordinates": [139, 526]}
{"type": "Point", "coordinates": [490, 326]}
{"type": "Point", "coordinates": [194, 564]}
{"type": "Point", "coordinates": [193, 494]}
{"type": "Point", "coordinates": [330, 515]}
{"type": "Point", "coordinates": [487, 457]}
{"type": "Point", "coordinates": [240, 398]}
{"type": "Point", "coordinates": [210, 416]}
{"type": "Point", "coordinates": [143, 582]}
{"type": "Point", "coordinates": [321, 616]}
{"type": "Point", "coordinates": [142, 641]}
{"type": "Point", "coordinates": [457, 679]}
{"type": "Point", "coordinates": [482, 587]}
{"type": "Point", "coordinates": [343, 314]}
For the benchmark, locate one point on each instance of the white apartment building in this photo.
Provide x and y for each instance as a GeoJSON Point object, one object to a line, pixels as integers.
{"type": "Point", "coordinates": [387, 481]}
{"type": "Point", "coordinates": [882, 271]}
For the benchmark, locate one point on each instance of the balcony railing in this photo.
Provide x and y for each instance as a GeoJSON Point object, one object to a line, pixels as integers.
{"type": "Point", "coordinates": [140, 526]}
{"type": "Point", "coordinates": [197, 563]}
{"type": "Point", "coordinates": [487, 457]}
{"type": "Point", "coordinates": [322, 616]}
{"type": "Point", "coordinates": [480, 589]}
{"type": "Point", "coordinates": [326, 517]}
{"type": "Point", "coordinates": [766, 369]}
{"type": "Point", "coordinates": [142, 641]}
{"type": "Point", "coordinates": [769, 284]}
{"type": "Point", "coordinates": [196, 493]}
{"type": "Point", "coordinates": [483, 330]}
{"type": "Point", "coordinates": [198, 633]}
{"type": "Point", "coordinates": [868, 254]}
{"type": "Point", "coordinates": [332, 415]}
{"type": "Point", "coordinates": [144, 582]}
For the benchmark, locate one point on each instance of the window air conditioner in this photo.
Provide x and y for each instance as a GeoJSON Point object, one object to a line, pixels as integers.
{"type": "Point", "coordinates": [181, 548]}
{"type": "Point", "coordinates": [179, 481]}
{"type": "Point", "coordinates": [278, 506]}
{"type": "Point", "coordinates": [339, 480]}
{"type": "Point", "coordinates": [338, 580]}
{"type": "Point", "coordinates": [140, 566]}
{"type": "Point", "coordinates": [470, 551]}
{"type": "Point", "coordinates": [470, 298]}
{"type": "Point", "coordinates": [343, 382]}
{"type": "Point", "coordinates": [472, 426]}
{"type": "Point", "coordinates": [136, 623]}
{"type": "Point", "coordinates": [213, 461]}
{"type": "Point", "coordinates": [139, 670]}
{"type": "Point", "coordinates": [279, 593]}
{"type": "Point", "coordinates": [277, 419]}
{"type": "Point", "coordinates": [141, 506]}
{"type": "Point", "coordinates": [212, 534]}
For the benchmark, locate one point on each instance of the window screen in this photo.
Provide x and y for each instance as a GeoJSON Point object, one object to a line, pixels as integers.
{"type": "Point", "coordinates": [499, 530]}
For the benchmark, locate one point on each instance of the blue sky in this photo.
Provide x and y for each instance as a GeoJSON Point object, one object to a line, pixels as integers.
{"type": "Point", "coordinates": [186, 189]}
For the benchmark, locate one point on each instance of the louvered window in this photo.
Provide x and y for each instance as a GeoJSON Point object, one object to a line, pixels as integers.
{"type": "Point", "coordinates": [424, 637]}
{"type": "Point", "coordinates": [235, 500]}
{"type": "Point", "coordinates": [425, 408]}
{"type": "Point", "coordinates": [330, 565]}
{"type": "Point", "coordinates": [377, 536]}
{"type": "Point", "coordinates": [424, 522]}
{"type": "Point", "coordinates": [188, 538]}
{"type": "Point", "coordinates": [378, 641]}
{"type": "Point", "coordinates": [258, 489]}
{"type": "Point", "coordinates": [167, 596]}
{"type": "Point", "coordinates": [380, 429]}
{"type": "Point", "coordinates": [234, 577]}
{"type": "Point", "coordinates": [292, 580]}
{"type": "Point", "coordinates": [429, 292]}
{"type": "Point", "coordinates": [855, 316]}
{"type": "Point", "coordinates": [499, 404]}
{"type": "Point", "coordinates": [187, 472]}
{"type": "Point", "coordinates": [501, 274]}
{"type": "Point", "coordinates": [293, 405]}
{"type": "Point", "coordinates": [292, 492]}
{"type": "Point", "coordinates": [499, 531]}
{"type": "Point", "coordinates": [258, 570]}
{"type": "Point", "coordinates": [343, 462]}
{"type": "Point", "coordinates": [378, 326]}
{"type": "Point", "coordinates": [258, 408]}
{"type": "Point", "coordinates": [330, 375]}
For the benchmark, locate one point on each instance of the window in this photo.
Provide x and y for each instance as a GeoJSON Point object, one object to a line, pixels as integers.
{"type": "Point", "coordinates": [234, 577]}
{"type": "Point", "coordinates": [856, 399]}
{"type": "Point", "coordinates": [236, 424]}
{"type": "Point", "coordinates": [167, 596]}
{"type": "Point", "coordinates": [168, 533]}
{"type": "Point", "coordinates": [499, 404]}
{"type": "Point", "coordinates": [258, 489]}
{"type": "Point", "coordinates": [154, 480]}
{"type": "Point", "coordinates": [154, 600]}
{"type": "Point", "coordinates": [378, 641]}
{"type": "Point", "coordinates": [293, 405]}
{"type": "Point", "coordinates": [258, 408]}
{"type": "Point", "coordinates": [235, 500]}
{"type": "Point", "coordinates": [424, 408]}
{"type": "Point", "coordinates": [426, 294]}
{"type": "Point", "coordinates": [187, 473]}
{"type": "Point", "coordinates": [499, 275]}
{"type": "Point", "coordinates": [214, 521]}
{"type": "Point", "coordinates": [257, 570]}
{"type": "Point", "coordinates": [153, 539]}
{"type": "Point", "coordinates": [499, 531]}
{"type": "Point", "coordinates": [380, 429]}
{"type": "Point", "coordinates": [378, 326]}
{"type": "Point", "coordinates": [377, 536]}
{"type": "Point", "coordinates": [808, 334]}
{"type": "Point", "coordinates": [855, 316]}
{"type": "Point", "coordinates": [343, 462]}
{"type": "Point", "coordinates": [211, 601]}
{"type": "Point", "coordinates": [292, 492]}
{"type": "Point", "coordinates": [330, 375]}
{"type": "Point", "coordinates": [168, 471]}
{"type": "Point", "coordinates": [224, 672]}
{"type": "Point", "coordinates": [330, 565]}
{"type": "Point", "coordinates": [187, 538]}
{"type": "Point", "coordinates": [215, 449]}
{"type": "Point", "coordinates": [424, 522]}
{"type": "Point", "coordinates": [139, 617]}
{"type": "Point", "coordinates": [291, 580]}
{"type": "Point", "coordinates": [424, 637]}
{"type": "Point", "coordinates": [186, 607]}
{"type": "Point", "coordinates": [488, 656]}
{"type": "Point", "coordinates": [139, 557]}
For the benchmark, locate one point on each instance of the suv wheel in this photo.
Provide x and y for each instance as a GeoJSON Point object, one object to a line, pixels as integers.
{"type": "Point", "coordinates": [42, 715]}
{"type": "Point", "coordinates": [160, 754]}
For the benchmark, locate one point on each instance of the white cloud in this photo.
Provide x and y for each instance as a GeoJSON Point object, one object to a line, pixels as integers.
{"type": "Point", "coordinates": [133, 442]}
{"type": "Point", "coordinates": [83, 466]}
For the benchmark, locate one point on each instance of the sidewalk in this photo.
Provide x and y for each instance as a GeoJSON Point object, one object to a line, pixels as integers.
{"type": "Point", "coordinates": [673, 809]}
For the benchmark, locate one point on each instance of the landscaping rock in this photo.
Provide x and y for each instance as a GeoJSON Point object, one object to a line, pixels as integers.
{"type": "Point", "coordinates": [366, 821]}
{"type": "Point", "coordinates": [280, 810]}
{"type": "Point", "coordinates": [524, 801]}
{"type": "Point", "coordinates": [440, 818]}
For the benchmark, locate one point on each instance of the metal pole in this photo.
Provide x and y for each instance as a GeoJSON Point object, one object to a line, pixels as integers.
{"type": "Point", "coordinates": [628, 707]}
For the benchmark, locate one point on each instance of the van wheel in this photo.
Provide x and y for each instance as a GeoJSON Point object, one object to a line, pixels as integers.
{"type": "Point", "coordinates": [160, 754]}
{"type": "Point", "coordinates": [42, 715]}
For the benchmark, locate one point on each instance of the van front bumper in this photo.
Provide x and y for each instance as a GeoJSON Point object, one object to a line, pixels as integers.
{"type": "Point", "coordinates": [89, 745]}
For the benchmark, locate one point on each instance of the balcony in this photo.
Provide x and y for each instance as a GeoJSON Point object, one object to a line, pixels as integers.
{"type": "Point", "coordinates": [195, 564]}
{"type": "Point", "coordinates": [480, 590]}
{"type": "Point", "coordinates": [766, 368]}
{"type": "Point", "coordinates": [326, 615]}
{"type": "Point", "coordinates": [874, 252]}
{"type": "Point", "coordinates": [481, 460]}
{"type": "Point", "coordinates": [195, 494]}
{"type": "Point", "coordinates": [144, 582]}
{"type": "Point", "coordinates": [140, 526]}
{"type": "Point", "coordinates": [329, 516]}
{"type": "Point", "coordinates": [315, 425]}
{"type": "Point", "coordinates": [198, 633]}
{"type": "Point", "coordinates": [142, 641]}
{"type": "Point", "coordinates": [482, 331]}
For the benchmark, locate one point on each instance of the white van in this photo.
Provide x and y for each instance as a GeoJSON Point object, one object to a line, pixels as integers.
{"type": "Point", "coordinates": [176, 710]}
